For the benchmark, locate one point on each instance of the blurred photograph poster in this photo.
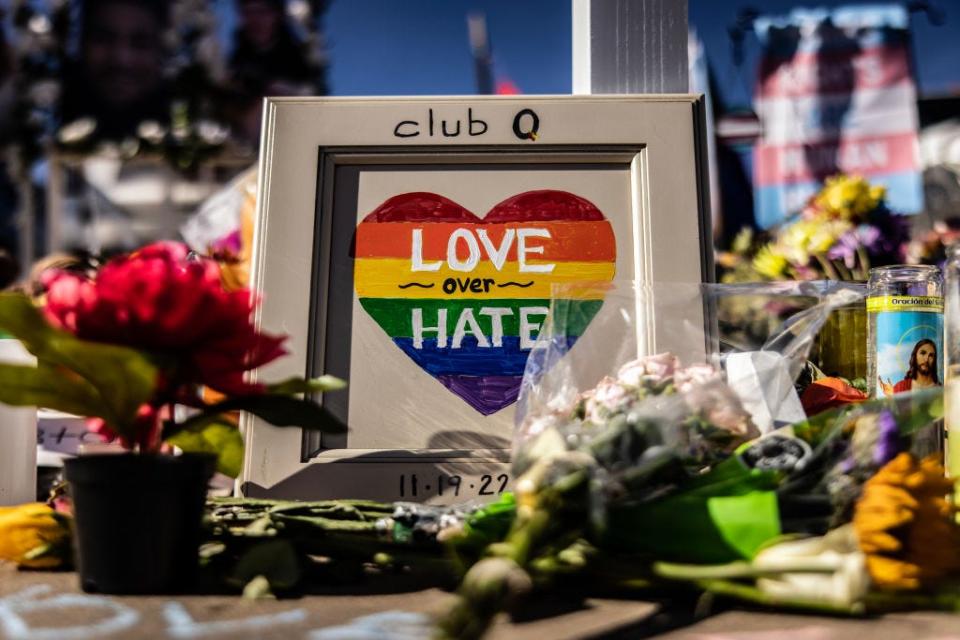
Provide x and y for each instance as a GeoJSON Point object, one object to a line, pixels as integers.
{"type": "Point", "coordinates": [835, 93]}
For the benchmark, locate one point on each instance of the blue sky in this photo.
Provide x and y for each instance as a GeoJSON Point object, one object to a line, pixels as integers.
{"type": "Point", "coordinates": [420, 47]}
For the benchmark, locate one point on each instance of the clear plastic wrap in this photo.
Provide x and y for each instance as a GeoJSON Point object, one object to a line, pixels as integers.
{"type": "Point", "coordinates": [699, 324]}
{"type": "Point", "coordinates": [665, 387]}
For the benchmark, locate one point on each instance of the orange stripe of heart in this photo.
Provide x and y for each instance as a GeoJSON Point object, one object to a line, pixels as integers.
{"type": "Point", "coordinates": [573, 241]}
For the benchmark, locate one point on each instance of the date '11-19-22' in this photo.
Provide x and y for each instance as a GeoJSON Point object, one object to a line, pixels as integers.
{"type": "Point", "coordinates": [485, 485]}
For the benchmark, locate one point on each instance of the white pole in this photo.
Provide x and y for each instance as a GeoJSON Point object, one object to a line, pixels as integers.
{"type": "Point", "coordinates": [629, 46]}
{"type": "Point", "coordinates": [18, 438]}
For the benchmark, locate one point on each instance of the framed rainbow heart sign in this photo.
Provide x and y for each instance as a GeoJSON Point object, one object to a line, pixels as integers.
{"type": "Point", "coordinates": [414, 247]}
{"type": "Point", "coordinates": [463, 295]}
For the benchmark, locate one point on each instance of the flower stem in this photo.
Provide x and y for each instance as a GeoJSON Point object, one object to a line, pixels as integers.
{"type": "Point", "coordinates": [864, 263]}
{"type": "Point", "coordinates": [842, 270]}
{"type": "Point", "coordinates": [828, 269]}
{"type": "Point", "coordinates": [739, 569]}
{"type": "Point", "coordinates": [749, 593]}
{"type": "Point", "coordinates": [881, 601]}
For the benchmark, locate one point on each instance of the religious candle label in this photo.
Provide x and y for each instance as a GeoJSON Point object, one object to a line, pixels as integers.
{"type": "Point", "coordinates": [908, 342]}
{"type": "Point", "coordinates": [465, 297]}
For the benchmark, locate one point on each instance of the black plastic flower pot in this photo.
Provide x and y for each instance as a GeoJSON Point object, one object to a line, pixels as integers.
{"type": "Point", "coordinates": [138, 521]}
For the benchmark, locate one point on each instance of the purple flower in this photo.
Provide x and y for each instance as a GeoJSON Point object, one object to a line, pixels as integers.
{"type": "Point", "coordinates": [888, 439]}
{"type": "Point", "coordinates": [864, 236]}
{"type": "Point", "coordinates": [845, 249]}
{"type": "Point", "coordinates": [868, 235]}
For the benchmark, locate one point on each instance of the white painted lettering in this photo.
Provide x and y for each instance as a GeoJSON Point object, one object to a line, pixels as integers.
{"type": "Point", "coordinates": [523, 250]}
{"type": "Point", "coordinates": [474, 251]}
{"type": "Point", "coordinates": [496, 317]}
{"type": "Point", "coordinates": [467, 322]}
{"type": "Point", "coordinates": [416, 255]}
{"type": "Point", "coordinates": [440, 329]}
{"type": "Point", "coordinates": [528, 328]}
{"type": "Point", "coordinates": [498, 255]}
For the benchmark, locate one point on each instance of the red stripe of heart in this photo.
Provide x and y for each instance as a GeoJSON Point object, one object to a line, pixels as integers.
{"type": "Point", "coordinates": [532, 206]}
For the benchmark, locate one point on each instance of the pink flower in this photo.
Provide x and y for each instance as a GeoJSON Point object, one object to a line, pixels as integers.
{"type": "Point", "coordinates": [159, 299]}
{"type": "Point", "coordinates": [608, 398]}
{"type": "Point", "coordinates": [687, 378]}
{"type": "Point", "coordinates": [656, 368]}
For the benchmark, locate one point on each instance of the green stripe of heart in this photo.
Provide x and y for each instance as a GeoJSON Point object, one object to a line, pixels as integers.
{"type": "Point", "coordinates": [394, 314]}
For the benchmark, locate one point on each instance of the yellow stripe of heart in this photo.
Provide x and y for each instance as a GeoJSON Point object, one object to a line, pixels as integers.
{"type": "Point", "coordinates": [382, 277]}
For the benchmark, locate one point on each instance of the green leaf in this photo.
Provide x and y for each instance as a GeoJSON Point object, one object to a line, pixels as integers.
{"type": "Point", "coordinates": [694, 528]}
{"type": "Point", "coordinates": [275, 560]}
{"type": "Point", "coordinates": [700, 522]}
{"type": "Point", "coordinates": [280, 411]}
{"type": "Point", "coordinates": [300, 385]}
{"type": "Point", "coordinates": [746, 522]}
{"type": "Point", "coordinates": [49, 387]}
{"type": "Point", "coordinates": [219, 438]}
{"type": "Point", "coordinates": [122, 378]}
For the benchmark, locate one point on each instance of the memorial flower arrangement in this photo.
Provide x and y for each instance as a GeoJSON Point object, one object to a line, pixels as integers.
{"type": "Point", "coordinates": [133, 345]}
{"type": "Point", "coordinates": [654, 480]}
{"type": "Point", "coordinates": [841, 233]}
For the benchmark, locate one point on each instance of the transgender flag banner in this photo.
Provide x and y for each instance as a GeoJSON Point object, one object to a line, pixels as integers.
{"type": "Point", "coordinates": [835, 94]}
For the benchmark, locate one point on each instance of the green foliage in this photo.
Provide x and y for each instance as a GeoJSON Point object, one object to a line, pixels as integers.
{"type": "Point", "coordinates": [113, 382]}
{"type": "Point", "coordinates": [216, 437]}
{"type": "Point", "coordinates": [280, 411]}
{"type": "Point", "coordinates": [73, 375]}
{"type": "Point", "coordinates": [313, 385]}
{"type": "Point", "coordinates": [729, 512]}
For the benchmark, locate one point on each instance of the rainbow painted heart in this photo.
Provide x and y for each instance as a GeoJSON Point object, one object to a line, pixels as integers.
{"type": "Point", "coordinates": [464, 298]}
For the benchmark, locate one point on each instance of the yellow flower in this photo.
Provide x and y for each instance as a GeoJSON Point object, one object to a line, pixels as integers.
{"type": "Point", "coordinates": [849, 197]}
{"type": "Point", "coordinates": [905, 524]}
{"type": "Point", "coordinates": [804, 238]}
{"type": "Point", "coordinates": [743, 241]}
{"type": "Point", "coordinates": [33, 535]}
{"type": "Point", "coordinates": [769, 263]}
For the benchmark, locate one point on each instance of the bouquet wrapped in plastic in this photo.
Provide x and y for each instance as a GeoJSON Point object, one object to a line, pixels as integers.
{"type": "Point", "coordinates": [656, 475]}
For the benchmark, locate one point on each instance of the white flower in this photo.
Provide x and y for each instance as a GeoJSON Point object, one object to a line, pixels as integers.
{"type": "Point", "coordinates": [537, 424]}
{"type": "Point", "coordinates": [658, 367]}
{"type": "Point", "coordinates": [608, 398]}
{"type": "Point", "coordinates": [695, 375]}
{"type": "Point", "coordinates": [830, 569]}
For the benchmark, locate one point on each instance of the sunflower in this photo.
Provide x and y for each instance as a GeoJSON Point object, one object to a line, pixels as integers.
{"type": "Point", "coordinates": [905, 524]}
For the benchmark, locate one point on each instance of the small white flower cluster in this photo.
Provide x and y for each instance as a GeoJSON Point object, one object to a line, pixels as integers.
{"type": "Point", "coordinates": [700, 385]}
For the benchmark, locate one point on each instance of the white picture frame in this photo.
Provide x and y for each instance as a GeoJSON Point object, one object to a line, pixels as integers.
{"type": "Point", "coordinates": [328, 165]}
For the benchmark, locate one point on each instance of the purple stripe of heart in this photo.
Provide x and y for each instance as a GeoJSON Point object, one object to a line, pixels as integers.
{"type": "Point", "coordinates": [486, 394]}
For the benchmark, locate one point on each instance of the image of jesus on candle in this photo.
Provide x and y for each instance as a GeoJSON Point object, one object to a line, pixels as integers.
{"type": "Point", "coordinates": [922, 372]}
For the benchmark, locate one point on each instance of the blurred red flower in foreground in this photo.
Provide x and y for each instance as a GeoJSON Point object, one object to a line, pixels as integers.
{"type": "Point", "coordinates": [161, 299]}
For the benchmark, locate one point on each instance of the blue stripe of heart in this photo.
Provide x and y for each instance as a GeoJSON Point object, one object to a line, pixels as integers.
{"type": "Point", "coordinates": [469, 359]}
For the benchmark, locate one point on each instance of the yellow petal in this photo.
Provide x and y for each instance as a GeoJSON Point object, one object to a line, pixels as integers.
{"type": "Point", "coordinates": [888, 573]}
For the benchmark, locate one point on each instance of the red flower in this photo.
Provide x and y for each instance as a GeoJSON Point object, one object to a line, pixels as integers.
{"type": "Point", "coordinates": [162, 300]}
{"type": "Point", "coordinates": [146, 436]}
